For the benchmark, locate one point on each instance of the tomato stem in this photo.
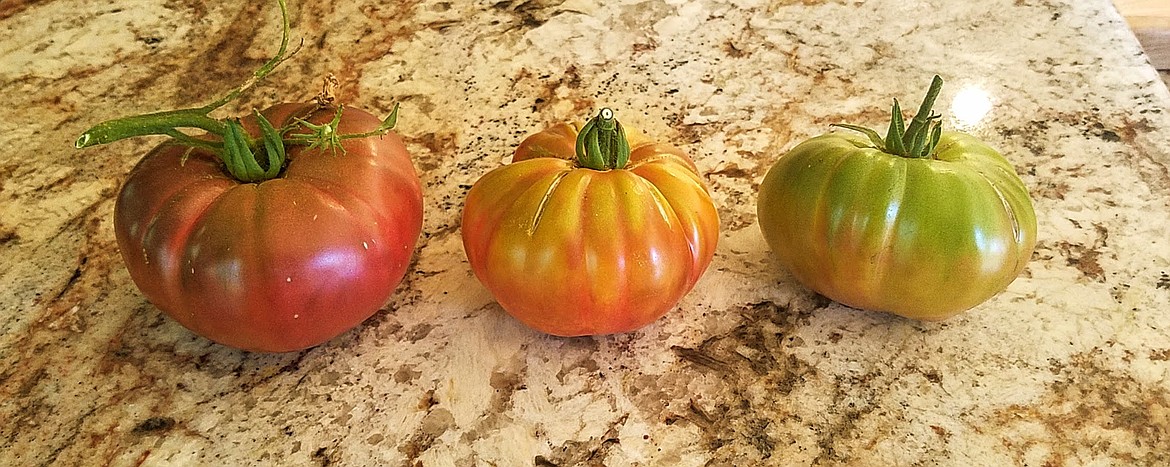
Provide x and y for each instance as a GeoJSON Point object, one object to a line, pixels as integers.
{"type": "Point", "coordinates": [924, 123]}
{"type": "Point", "coordinates": [325, 136]}
{"type": "Point", "coordinates": [164, 123]}
{"type": "Point", "coordinates": [602, 143]}
{"type": "Point", "coordinates": [238, 150]}
{"type": "Point", "coordinates": [916, 141]}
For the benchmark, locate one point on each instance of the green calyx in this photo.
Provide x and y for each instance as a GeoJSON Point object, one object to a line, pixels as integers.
{"type": "Point", "coordinates": [246, 158]}
{"type": "Point", "coordinates": [916, 141]}
{"type": "Point", "coordinates": [602, 144]}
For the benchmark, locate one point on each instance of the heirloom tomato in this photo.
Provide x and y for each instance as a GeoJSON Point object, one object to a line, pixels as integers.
{"type": "Point", "coordinates": [275, 253]}
{"type": "Point", "coordinates": [924, 223]}
{"type": "Point", "coordinates": [591, 230]}
{"type": "Point", "coordinates": [280, 264]}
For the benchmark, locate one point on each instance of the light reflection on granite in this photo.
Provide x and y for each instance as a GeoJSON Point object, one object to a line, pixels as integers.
{"type": "Point", "coordinates": [1069, 366]}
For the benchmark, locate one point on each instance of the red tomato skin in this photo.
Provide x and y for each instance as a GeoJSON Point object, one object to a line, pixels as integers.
{"type": "Point", "coordinates": [279, 265]}
{"type": "Point", "coordinates": [572, 251]}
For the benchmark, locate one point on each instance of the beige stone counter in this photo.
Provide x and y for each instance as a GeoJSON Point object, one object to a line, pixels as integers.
{"type": "Point", "coordinates": [1069, 366]}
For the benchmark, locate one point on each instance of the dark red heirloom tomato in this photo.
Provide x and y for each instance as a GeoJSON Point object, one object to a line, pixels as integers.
{"type": "Point", "coordinates": [589, 231]}
{"type": "Point", "coordinates": [273, 232]}
{"type": "Point", "coordinates": [281, 264]}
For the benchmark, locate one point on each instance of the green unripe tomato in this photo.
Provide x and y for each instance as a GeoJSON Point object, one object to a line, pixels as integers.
{"type": "Point", "coordinates": [924, 236]}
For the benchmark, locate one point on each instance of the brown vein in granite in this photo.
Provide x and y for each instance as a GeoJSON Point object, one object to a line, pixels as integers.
{"type": "Point", "coordinates": [223, 63]}
{"type": "Point", "coordinates": [1086, 258]}
{"type": "Point", "coordinates": [1092, 397]}
{"type": "Point", "coordinates": [9, 8]}
{"type": "Point", "coordinates": [530, 14]}
{"type": "Point", "coordinates": [1057, 176]}
{"type": "Point", "coordinates": [543, 88]}
{"type": "Point", "coordinates": [752, 371]}
{"type": "Point", "coordinates": [391, 24]}
{"type": "Point", "coordinates": [538, 90]}
{"type": "Point", "coordinates": [55, 311]}
{"type": "Point", "coordinates": [7, 234]}
{"type": "Point", "coordinates": [437, 420]}
{"type": "Point", "coordinates": [588, 452]}
{"type": "Point", "coordinates": [438, 144]}
{"type": "Point", "coordinates": [1152, 168]}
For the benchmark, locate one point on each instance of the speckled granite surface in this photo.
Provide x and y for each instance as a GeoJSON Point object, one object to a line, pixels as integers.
{"type": "Point", "coordinates": [1069, 366]}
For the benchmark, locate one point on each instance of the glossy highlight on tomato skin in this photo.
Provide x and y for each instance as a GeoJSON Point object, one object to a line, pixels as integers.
{"type": "Point", "coordinates": [279, 265]}
{"type": "Point", "coordinates": [921, 238]}
{"type": "Point", "coordinates": [573, 251]}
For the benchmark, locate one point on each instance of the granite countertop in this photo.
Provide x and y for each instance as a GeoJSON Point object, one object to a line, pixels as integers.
{"type": "Point", "coordinates": [1069, 366]}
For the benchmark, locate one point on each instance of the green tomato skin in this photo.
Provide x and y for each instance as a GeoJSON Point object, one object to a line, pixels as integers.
{"type": "Point", "coordinates": [921, 238]}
